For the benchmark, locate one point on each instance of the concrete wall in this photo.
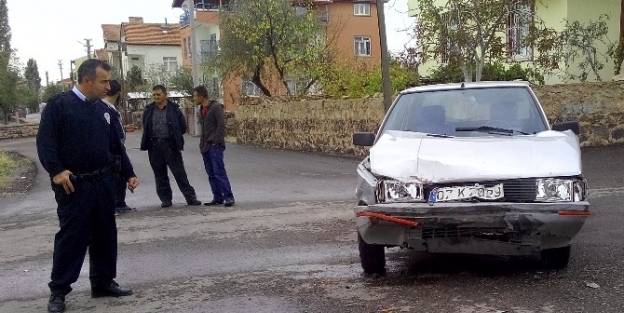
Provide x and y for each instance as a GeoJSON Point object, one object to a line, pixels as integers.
{"type": "Point", "coordinates": [326, 126]}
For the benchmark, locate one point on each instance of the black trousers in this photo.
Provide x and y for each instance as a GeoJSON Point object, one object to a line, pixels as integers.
{"type": "Point", "coordinates": [120, 194]}
{"type": "Point", "coordinates": [161, 156]}
{"type": "Point", "coordinates": [87, 220]}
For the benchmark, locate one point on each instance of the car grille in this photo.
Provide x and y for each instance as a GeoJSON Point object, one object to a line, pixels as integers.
{"type": "Point", "coordinates": [516, 190]}
{"type": "Point", "coordinates": [498, 234]}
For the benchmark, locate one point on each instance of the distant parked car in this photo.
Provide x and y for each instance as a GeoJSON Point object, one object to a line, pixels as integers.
{"type": "Point", "coordinates": [471, 168]}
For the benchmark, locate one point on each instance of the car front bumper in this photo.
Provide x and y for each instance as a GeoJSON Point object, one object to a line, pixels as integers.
{"type": "Point", "coordinates": [473, 228]}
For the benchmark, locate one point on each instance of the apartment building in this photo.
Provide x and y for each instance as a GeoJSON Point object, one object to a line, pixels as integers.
{"type": "Point", "coordinates": [352, 25]}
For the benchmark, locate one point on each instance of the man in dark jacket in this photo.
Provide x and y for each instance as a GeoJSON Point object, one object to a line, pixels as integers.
{"type": "Point", "coordinates": [164, 126]}
{"type": "Point", "coordinates": [212, 146]}
{"type": "Point", "coordinates": [111, 99]}
{"type": "Point", "coordinates": [77, 146]}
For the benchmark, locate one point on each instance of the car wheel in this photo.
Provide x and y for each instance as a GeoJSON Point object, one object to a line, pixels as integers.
{"type": "Point", "coordinates": [556, 258]}
{"type": "Point", "coordinates": [372, 257]}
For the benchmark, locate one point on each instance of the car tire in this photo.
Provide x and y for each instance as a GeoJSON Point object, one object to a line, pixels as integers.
{"type": "Point", "coordinates": [372, 257]}
{"type": "Point", "coordinates": [556, 258]}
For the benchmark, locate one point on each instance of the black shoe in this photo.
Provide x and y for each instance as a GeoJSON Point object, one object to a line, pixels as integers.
{"type": "Point", "coordinates": [229, 202]}
{"type": "Point", "coordinates": [56, 303]}
{"type": "Point", "coordinates": [111, 290]}
{"type": "Point", "coordinates": [193, 202]}
{"type": "Point", "coordinates": [213, 202]}
{"type": "Point", "coordinates": [166, 204]}
{"type": "Point", "coordinates": [124, 208]}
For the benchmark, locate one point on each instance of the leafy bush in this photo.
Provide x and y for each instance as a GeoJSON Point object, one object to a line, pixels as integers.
{"type": "Point", "coordinates": [491, 72]}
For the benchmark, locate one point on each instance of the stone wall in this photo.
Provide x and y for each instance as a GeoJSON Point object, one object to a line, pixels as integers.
{"type": "Point", "coordinates": [599, 107]}
{"type": "Point", "coordinates": [326, 126]}
{"type": "Point", "coordinates": [17, 131]}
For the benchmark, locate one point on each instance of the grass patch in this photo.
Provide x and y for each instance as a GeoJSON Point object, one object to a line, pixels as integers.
{"type": "Point", "coordinates": [7, 163]}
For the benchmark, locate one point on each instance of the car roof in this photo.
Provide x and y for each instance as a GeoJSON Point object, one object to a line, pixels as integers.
{"type": "Point", "coordinates": [472, 85]}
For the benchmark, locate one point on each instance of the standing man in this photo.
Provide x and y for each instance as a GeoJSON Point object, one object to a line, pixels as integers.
{"type": "Point", "coordinates": [111, 99]}
{"type": "Point", "coordinates": [77, 145]}
{"type": "Point", "coordinates": [163, 139]}
{"type": "Point", "coordinates": [212, 146]}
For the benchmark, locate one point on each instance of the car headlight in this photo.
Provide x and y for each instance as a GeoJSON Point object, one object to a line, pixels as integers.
{"type": "Point", "coordinates": [397, 191]}
{"type": "Point", "coordinates": [561, 190]}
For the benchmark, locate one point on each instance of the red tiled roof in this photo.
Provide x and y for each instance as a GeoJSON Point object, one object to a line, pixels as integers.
{"type": "Point", "coordinates": [101, 54]}
{"type": "Point", "coordinates": [111, 32]}
{"type": "Point", "coordinates": [152, 34]}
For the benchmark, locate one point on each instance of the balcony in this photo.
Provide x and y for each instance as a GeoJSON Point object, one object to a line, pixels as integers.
{"type": "Point", "coordinates": [208, 48]}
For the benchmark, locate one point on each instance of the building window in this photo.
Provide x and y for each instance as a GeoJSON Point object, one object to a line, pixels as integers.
{"type": "Point", "coordinates": [518, 26]}
{"type": "Point", "coordinates": [250, 89]}
{"type": "Point", "coordinates": [361, 9]}
{"type": "Point", "coordinates": [171, 64]}
{"type": "Point", "coordinates": [362, 46]}
{"type": "Point", "coordinates": [300, 10]}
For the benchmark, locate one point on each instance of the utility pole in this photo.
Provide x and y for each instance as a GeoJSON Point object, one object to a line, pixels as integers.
{"type": "Point", "coordinates": [60, 64]}
{"type": "Point", "coordinates": [71, 72]}
{"type": "Point", "coordinates": [121, 75]}
{"type": "Point", "coordinates": [88, 48]}
{"type": "Point", "coordinates": [194, 56]}
{"type": "Point", "coordinates": [385, 62]}
{"type": "Point", "coordinates": [47, 79]}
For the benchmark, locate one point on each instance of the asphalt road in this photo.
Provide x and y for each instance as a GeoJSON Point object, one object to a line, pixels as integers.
{"type": "Point", "coordinates": [289, 245]}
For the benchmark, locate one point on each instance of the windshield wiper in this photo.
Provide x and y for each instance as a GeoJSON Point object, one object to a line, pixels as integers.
{"type": "Point", "coordinates": [439, 135]}
{"type": "Point", "coordinates": [490, 129]}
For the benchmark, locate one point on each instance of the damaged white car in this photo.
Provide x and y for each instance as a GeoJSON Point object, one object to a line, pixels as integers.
{"type": "Point", "coordinates": [470, 168]}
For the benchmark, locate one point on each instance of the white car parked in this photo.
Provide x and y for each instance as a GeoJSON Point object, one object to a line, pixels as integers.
{"type": "Point", "coordinates": [470, 168]}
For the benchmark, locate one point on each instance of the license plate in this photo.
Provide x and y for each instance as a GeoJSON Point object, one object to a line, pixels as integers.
{"type": "Point", "coordinates": [476, 191]}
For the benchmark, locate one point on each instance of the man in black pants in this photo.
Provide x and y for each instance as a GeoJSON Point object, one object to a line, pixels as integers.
{"type": "Point", "coordinates": [111, 99]}
{"type": "Point", "coordinates": [164, 126]}
{"type": "Point", "coordinates": [77, 146]}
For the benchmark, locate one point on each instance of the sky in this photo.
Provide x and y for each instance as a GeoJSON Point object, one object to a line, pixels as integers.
{"type": "Point", "coordinates": [48, 31]}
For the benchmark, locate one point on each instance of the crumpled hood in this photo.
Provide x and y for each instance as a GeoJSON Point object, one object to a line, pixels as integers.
{"type": "Point", "coordinates": [408, 156]}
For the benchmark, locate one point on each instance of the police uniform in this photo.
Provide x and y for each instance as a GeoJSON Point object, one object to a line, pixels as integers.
{"type": "Point", "coordinates": [76, 134]}
{"type": "Point", "coordinates": [120, 194]}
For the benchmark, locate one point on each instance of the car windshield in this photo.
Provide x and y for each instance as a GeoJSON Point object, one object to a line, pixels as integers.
{"type": "Point", "coordinates": [470, 112]}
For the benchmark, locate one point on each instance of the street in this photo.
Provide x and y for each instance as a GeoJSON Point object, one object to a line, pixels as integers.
{"type": "Point", "coordinates": [289, 245]}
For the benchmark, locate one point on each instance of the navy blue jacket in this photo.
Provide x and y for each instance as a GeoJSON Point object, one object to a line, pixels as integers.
{"type": "Point", "coordinates": [79, 136]}
{"type": "Point", "coordinates": [175, 122]}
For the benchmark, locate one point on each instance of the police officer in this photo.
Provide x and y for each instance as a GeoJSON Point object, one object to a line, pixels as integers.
{"type": "Point", "coordinates": [112, 98]}
{"type": "Point", "coordinates": [77, 146]}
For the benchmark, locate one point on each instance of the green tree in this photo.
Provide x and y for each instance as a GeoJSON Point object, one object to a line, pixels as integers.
{"type": "Point", "coordinates": [183, 80]}
{"type": "Point", "coordinates": [573, 51]}
{"type": "Point", "coordinates": [9, 73]}
{"type": "Point", "coordinates": [33, 84]}
{"type": "Point", "coordinates": [134, 79]}
{"type": "Point", "coordinates": [51, 90]}
{"type": "Point", "coordinates": [468, 33]}
{"type": "Point", "coordinates": [265, 37]}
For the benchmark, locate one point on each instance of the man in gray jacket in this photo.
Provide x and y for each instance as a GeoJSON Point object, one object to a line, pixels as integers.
{"type": "Point", "coordinates": [212, 146]}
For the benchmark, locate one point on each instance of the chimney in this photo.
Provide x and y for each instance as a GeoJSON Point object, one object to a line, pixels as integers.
{"type": "Point", "coordinates": [135, 20]}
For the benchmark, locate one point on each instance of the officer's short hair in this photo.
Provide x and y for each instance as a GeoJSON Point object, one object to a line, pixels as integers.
{"type": "Point", "coordinates": [115, 87]}
{"type": "Point", "coordinates": [161, 88]}
{"type": "Point", "coordinates": [201, 91]}
{"type": "Point", "coordinates": [88, 67]}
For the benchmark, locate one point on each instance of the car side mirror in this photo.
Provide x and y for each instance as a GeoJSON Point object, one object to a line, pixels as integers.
{"type": "Point", "coordinates": [363, 139]}
{"type": "Point", "coordinates": [574, 126]}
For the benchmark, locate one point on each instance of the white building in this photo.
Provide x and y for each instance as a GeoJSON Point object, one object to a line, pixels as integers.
{"type": "Point", "coordinates": [148, 46]}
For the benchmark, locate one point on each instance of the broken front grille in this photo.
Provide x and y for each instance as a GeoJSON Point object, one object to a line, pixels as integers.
{"type": "Point", "coordinates": [516, 190]}
{"type": "Point", "coordinates": [492, 233]}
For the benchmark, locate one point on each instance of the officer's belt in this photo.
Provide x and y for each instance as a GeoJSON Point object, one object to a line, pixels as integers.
{"type": "Point", "coordinates": [95, 175]}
